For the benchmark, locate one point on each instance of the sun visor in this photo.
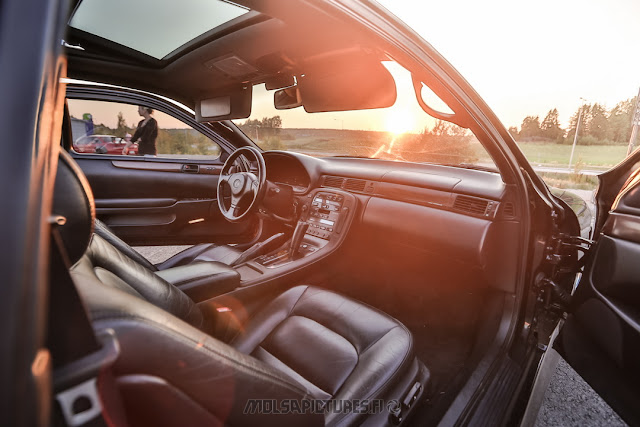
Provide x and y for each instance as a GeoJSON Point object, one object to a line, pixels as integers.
{"type": "Point", "coordinates": [227, 105]}
{"type": "Point", "coordinates": [346, 83]}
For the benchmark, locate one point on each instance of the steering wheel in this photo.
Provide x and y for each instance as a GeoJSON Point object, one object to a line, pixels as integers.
{"type": "Point", "coordinates": [243, 183]}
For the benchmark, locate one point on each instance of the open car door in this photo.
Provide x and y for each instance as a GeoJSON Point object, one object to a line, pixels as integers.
{"type": "Point", "coordinates": [601, 336]}
{"type": "Point", "coordinates": [163, 199]}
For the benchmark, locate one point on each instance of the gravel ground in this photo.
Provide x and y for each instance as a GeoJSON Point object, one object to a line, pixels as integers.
{"type": "Point", "coordinates": [156, 254]}
{"type": "Point", "coordinates": [568, 401]}
{"type": "Point", "coordinates": [571, 402]}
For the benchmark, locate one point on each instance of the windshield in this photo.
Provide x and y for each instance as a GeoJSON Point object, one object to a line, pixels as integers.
{"type": "Point", "coordinates": [402, 132]}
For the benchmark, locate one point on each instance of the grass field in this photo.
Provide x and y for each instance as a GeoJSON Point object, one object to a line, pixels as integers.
{"type": "Point", "coordinates": [334, 141]}
{"type": "Point", "coordinates": [585, 156]}
{"type": "Point", "coordinates": [328, 142]}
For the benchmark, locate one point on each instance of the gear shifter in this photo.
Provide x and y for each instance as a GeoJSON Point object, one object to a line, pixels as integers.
{"type": "Point", "coordinates": [298, 235]}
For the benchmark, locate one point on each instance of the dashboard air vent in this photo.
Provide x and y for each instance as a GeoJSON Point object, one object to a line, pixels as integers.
{"type": "Point", "coordinates": [470, 205]}
{"type": "Point", "coordinates": [333, 181]}
{"type": "Point", "coordinates": [355, 184]}
{"type": "Point", "coordinates": [509, 210]}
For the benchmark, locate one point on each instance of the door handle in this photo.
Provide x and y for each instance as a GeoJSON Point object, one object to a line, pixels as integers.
{"type": "Point", "coordinates": [190, 168]}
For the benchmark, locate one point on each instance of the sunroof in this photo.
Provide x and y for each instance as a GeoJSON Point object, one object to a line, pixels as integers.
{"type": "Point", "coordinates": [153, 27]}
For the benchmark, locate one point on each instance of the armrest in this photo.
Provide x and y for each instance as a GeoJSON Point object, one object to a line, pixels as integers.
{"type": "Point", "coordinates": [203, 279]}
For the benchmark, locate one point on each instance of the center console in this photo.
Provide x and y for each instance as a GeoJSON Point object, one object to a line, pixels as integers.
{"type": "Point", "coordinates": [325, 217]}
{"type": "Point", "coordinates": [324, 214]}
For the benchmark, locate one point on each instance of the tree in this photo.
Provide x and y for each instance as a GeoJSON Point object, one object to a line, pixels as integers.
{"type": "Point", "coordinates": [597, 124]}
{"type": "Point", "coordinates": [550, 126]}
{"type": "Point", "coordinates": [268, 127]}
{"type": "Point", "coordinates": [121, 127]}
{"type": "Point", "coordinates": [530, 127]}
{"type": "Point", "coordinates": [573, 122]}
{"type": "Point", "coordinates": [513, 130]}
{"type": "Point", "coordinates": [274, 122]}
{"type": "Point", "coordinates": [620, 120]}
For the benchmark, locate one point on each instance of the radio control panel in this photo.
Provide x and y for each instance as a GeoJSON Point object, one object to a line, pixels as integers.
{"type": "Point", "coordinates": [324, 214]}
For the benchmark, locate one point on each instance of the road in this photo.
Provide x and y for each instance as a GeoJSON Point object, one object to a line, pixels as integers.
{"type": "Point", "coordinates": [554, 169]}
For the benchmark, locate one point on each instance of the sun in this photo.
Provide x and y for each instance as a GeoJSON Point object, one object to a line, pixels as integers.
{"type": "Point", "coordinates": [399, 121]}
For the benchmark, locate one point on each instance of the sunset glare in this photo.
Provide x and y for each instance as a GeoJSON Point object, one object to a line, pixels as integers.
{"type": "Point", "coordinates": [399, 121]}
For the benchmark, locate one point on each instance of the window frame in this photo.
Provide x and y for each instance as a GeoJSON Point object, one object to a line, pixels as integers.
{"type": "Point", "coordinates": [89, 92]}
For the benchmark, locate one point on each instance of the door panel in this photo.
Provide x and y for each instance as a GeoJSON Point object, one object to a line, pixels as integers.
{"type": "Point", "coordinates": [601, 336]}
{"type": "Point", "coordinates": [149, 202]}
{"type": "Point", "coordinates": [169, 198]}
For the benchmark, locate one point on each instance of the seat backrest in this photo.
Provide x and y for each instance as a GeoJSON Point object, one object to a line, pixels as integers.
{"type": "Point", "coordinates": [103, 231]}
{"type": "Point", "coordinates": [112, 268]}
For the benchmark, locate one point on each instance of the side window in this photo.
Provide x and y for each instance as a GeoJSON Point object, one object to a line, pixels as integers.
{"type": "Point", "coordinates": [104, 127]}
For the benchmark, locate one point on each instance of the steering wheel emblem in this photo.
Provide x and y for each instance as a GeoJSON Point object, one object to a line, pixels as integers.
{"type": "Point", "coordinates": [236, 183]}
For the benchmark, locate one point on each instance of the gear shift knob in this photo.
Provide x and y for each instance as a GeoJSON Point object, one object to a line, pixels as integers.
{"type": "Point", "coordinates": [296, 239]}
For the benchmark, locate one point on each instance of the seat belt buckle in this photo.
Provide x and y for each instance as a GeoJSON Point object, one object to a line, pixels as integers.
{"type": "Point", "coordinates": [80, 403]}
{"type": "Point", "coordinates": [76, 383]}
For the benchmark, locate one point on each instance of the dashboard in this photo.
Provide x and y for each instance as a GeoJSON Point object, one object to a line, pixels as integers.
{"type": "Point", "coordinates": [283, 168]}
{"type": "Point", "coordinates": [467, 216]}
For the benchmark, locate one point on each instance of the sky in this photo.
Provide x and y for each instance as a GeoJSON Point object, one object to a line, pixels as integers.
{"type": "Point", "coordinates": [523, 57]}
{"type": "Point", "coordinates": [527, 57]}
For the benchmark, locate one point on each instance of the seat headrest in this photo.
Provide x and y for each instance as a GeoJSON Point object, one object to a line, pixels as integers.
{"type": "Point", "coordinates": [73, 200]}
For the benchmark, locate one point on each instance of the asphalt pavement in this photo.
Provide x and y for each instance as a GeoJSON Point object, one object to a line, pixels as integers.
{"type": "Point", "coordinates": [571, 402]}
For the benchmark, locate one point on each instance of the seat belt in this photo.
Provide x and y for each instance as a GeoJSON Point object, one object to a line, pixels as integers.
{"type": "Point", "coordinates": [84, 389]}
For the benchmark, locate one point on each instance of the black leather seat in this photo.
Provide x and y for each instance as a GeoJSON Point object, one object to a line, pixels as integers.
{"type": "Point", "coordinates": [305, 344]}
{"type": "Point", "coordinates": [202, 252]}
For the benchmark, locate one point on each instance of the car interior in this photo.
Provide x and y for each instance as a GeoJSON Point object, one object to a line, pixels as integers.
{"type": "Point", "coordinates": [309, 277]}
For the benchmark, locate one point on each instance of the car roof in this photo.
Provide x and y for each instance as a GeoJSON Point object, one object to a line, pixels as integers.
{"type": "Point", "coordinates": [271, 40]}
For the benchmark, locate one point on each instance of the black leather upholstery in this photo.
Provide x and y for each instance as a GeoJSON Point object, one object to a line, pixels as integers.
{"type": "Point", "coordinates": [102, 264]}
{"type": "Point", "coordinates": [156, 345]}
{"type": "Point", "coordinates": [203, 252]}
{"type": "Point", "coordinates": [336, 347]}
{"type": "Point", "coordinates": [103, 231]}
{"type": "Point", "coordinates": [202, 280]}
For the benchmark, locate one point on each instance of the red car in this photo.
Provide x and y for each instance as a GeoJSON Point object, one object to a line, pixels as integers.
{"type": "Point", "coordinates": [103, 144]}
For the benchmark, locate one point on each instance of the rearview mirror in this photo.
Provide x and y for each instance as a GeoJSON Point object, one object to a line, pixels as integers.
{"type": "Point", "coordinates": [285, 99]}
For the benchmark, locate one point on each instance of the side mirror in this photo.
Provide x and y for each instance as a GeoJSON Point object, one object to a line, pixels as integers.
{"type": "Point", "coordinates": [285, 99]}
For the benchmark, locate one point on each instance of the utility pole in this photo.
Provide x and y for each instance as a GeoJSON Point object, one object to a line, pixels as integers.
{"type": "Point", "coordinates": [635, 123]}
{"type": "Point", "coordinates": [575, 137]}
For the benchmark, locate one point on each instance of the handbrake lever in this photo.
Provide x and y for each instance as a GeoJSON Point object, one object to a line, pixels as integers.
{"type": "Point", "coordinates": [259, 249]}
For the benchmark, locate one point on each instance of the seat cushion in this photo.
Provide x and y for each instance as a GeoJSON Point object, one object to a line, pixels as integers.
{"type": "Point", "coordinates": [334, 346]}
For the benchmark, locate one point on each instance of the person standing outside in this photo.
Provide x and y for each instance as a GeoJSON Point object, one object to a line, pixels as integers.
{"type": "Point", "coordinates": [146, 133]}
